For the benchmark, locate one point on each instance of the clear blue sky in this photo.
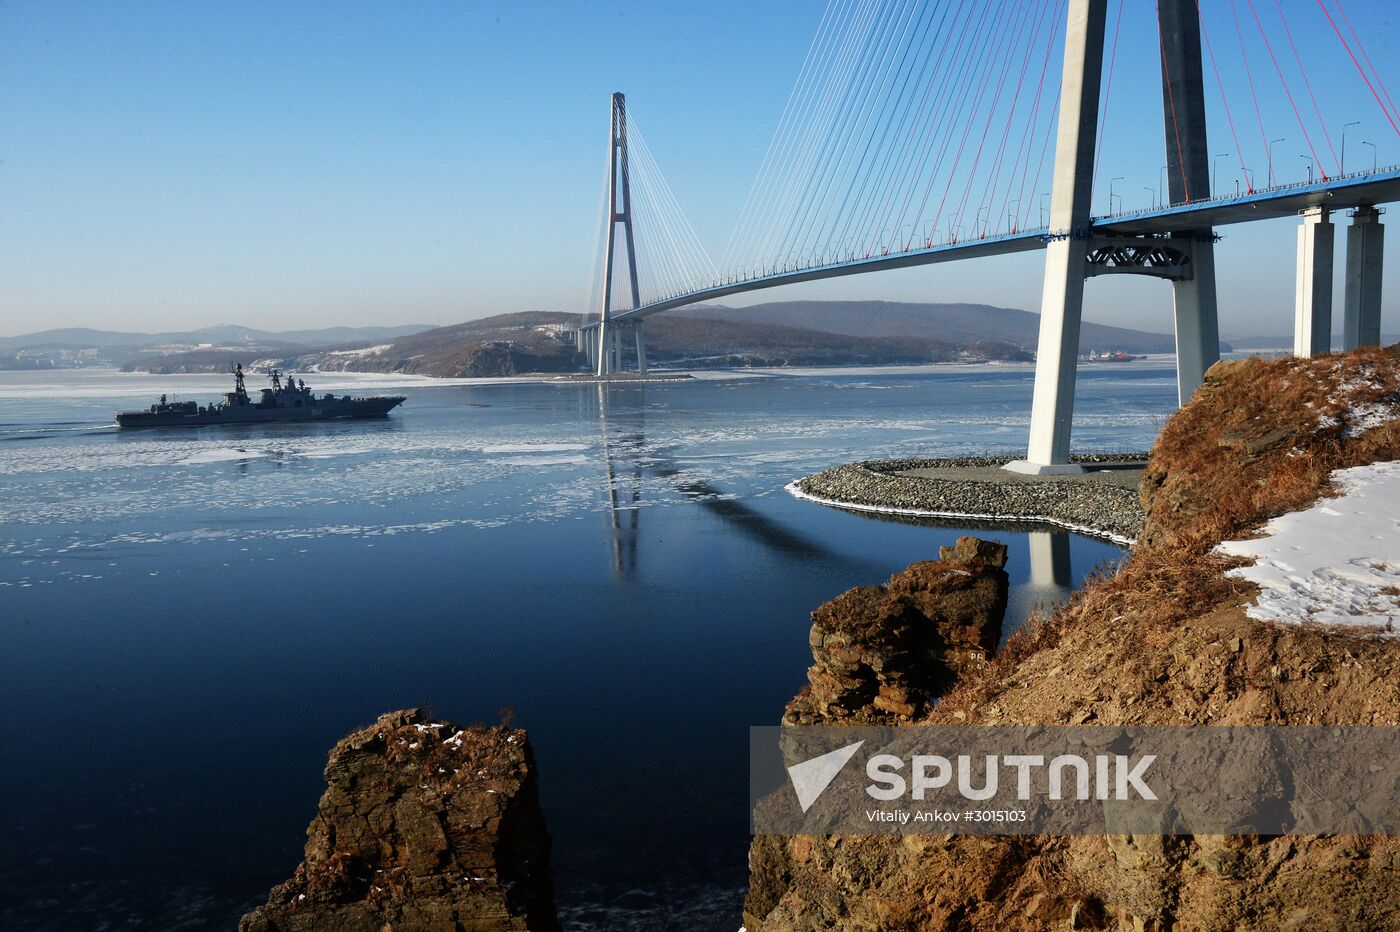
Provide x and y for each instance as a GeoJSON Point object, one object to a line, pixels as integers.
{"type": "Point", "coordinates": [281, 165]}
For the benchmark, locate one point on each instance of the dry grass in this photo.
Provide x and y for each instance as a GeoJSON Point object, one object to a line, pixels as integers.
{"type": "Point", "coordinates": [1261, 438]}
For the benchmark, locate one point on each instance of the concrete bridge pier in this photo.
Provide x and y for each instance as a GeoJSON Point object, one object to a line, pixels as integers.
{"type": "Point", "coordinates": [1361, 313]}
{"type": "Point", "coordinates": [1066, 255]}
{"type": "Point", "coordinates": [1312, 317]}
{"type": "Point", "coordinates": [641, 350]}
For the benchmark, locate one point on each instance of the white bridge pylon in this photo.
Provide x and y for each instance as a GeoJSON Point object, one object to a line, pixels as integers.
{"type": "Point", "coordinates": [604, 345]}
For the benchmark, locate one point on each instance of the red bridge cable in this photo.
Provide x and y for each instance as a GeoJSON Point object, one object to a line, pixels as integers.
{"type": "Point", "coordinates": [1307, 137]}
{"type": "Point", "coordinates": [950, 94]}
{"type": "Point", "coordinates": [1171, 100]}
{"type": "Point", "coordinates": [911, 156]}
{"type": "Point", "coordinates": [1249, 73]}
{"type": "Point", "coordinates": [1229, 117]}
{"type": "Point", "coordinates": [981, 87]}
{"type": "Point", "coordinates": [1388, 115]}
{"type": "Point", "coordinates": [1357, 39]}
{"type": "Point", "coordinates": [1308, 84]}
{"type": "Point", "coordinates": [1107, 93]}
{"type": "Point", "coordinates": [1014, 38]}
{"type": "Point", "coordinates": [969, 94]}
{"type": "Point", "coordinates": [989, 193]}
{"type": "Point", "coordinates": [1056, 16]}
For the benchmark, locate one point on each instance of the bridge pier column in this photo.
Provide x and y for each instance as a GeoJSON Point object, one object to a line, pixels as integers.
{"type": "Point", "coordinates": [1312, 318]}
{"type": "Point", "coordinates": [1197, 322]}
{"type": "Point", "coordinates": [1361, 312]}
{"type": "Point", "coordinates": [1188, 179]}
{"type": "Point", "coordinates": [641, 350]}
{"type": "Point", "coordinates": [1057, 353]}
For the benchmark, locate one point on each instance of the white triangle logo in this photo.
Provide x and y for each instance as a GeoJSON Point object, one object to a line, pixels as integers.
{"type": "Point", "coordinates": [811, 777]}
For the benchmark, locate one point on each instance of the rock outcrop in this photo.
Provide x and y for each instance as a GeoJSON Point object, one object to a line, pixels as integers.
{"type": "Point", "coordinates": [423, 826]}
{"type": "Point", "coordinates": [1164, 640]}
{"type": "Point", "coordinates": [882, 652]}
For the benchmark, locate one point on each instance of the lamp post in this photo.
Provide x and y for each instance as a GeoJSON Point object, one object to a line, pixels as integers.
{"type": "Point", "coordinates": [1215, 171]}
{"type": "Point", "coordinates": [1373, 154]}
{"type": "Point", "coordinates": [1152, 191]}
{"type": "Point", "coordinates": [1111, 183]}
{"type": "Point", "coordinates": [1309, 159]}
{"type": "Point", "coordinates": [1044, 213]}
{"type": "Point", "coordinates": [1272, 143]}
{"type": "Point", "coordinates": [1343, 166]}
{"type": "Point", "coordinates": [1011, 215]}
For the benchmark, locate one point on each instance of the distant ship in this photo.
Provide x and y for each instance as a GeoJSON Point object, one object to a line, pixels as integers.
{"type": "Point", "coordinates": [290, 402]}
{"type": "Point", "coordinates": [1119, 356]}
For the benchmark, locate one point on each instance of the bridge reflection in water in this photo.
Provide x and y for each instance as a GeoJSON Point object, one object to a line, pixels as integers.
{"type": "Point", "coordinates": [629, 464]}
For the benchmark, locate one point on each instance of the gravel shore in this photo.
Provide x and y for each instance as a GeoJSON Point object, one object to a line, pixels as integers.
{"type": "Point", "coordinates": [1102, 501]}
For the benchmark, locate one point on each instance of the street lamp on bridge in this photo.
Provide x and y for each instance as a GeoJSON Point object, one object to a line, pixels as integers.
{"type": "Point", "coordinates": [1373, 154]}
{"type": "Point", "coordinates": [1111, 183]}
{"type": "Point", "coordinates": [1343, 165]}
{"type": "Point", "coordinates": [1311, 161]}
{"type": "Point", "coordinates": [1215, 171]}
{"type": "Point", "coordinates": [1272, 143]}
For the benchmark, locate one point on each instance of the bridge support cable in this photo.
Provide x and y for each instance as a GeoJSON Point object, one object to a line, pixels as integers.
{"type": "Point", "coordinates": [879, 192]}
{"type": "Point", "coordinates": [840, 23]}
{"type": "Point", "coordinates": [838, 149]}
{"type": "Point", "coordinates": [1307, 83]}
{"type": "Point", "coordinates": [812, 65]}
{"type": "Point", "coordinates": [784, 201]}
{"type": "Point", "coordinates": [679, 261]}
{"type": "Point", "coordinates": [1283, 82]}
{"type": "Point", "coordinates": [1388, 106]}
{"type": "Point", "coordinates": [1225, 102]}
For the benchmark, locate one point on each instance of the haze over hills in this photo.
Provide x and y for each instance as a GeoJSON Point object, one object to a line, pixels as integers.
{"type": "Point", "coordinates": [955, 323]}
{"type": "Point", "coordinates": [88, 338]}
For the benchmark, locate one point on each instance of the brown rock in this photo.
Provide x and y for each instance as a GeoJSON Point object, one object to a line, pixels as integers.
{"type": "Point", "coordinates": [882, 652]}
{"type": "Point", "coordinates": [423, 826]}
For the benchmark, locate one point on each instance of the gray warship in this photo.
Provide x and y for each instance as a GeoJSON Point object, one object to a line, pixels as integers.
{"type": "Point", "coordinates": [292, 401]}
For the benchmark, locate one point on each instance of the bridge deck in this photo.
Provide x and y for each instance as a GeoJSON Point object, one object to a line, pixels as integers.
{"type": "Point", "coordinates": [1366, 188]}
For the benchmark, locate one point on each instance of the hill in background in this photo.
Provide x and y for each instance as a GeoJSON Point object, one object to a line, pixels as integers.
{"type": "Point", "coordinates": [954, 323]}
{"type": "Point", "coordinates": [790, 333]}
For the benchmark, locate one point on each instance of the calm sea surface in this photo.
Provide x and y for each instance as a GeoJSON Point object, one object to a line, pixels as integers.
{"type": "Point", "coordinates": [190, 619]}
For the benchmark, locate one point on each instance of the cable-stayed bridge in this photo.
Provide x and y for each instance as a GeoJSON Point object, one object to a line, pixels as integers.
{"type": "Point", "coordinates": [919, 131]}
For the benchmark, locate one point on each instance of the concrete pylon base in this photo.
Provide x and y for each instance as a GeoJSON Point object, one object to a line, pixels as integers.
{"type": "Point", "coordinates": [1027, 468]}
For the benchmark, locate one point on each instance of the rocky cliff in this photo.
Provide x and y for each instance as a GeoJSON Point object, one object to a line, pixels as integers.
{"type": "Point", "coordinates": [1164, 640]}
{"type": "Point", "coordinates": [423, 826]}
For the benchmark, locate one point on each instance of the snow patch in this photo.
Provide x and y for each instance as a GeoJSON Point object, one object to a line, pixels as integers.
{"type": "Point", "coordinates": [1335, 563]}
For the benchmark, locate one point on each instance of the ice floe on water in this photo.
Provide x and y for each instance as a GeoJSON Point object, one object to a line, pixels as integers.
{"type": "Point", "coordinates": [1336, 563]}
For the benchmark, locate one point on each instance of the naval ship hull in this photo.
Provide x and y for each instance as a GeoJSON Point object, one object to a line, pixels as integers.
{"type": "Point", "coordinates": [337, 409]}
